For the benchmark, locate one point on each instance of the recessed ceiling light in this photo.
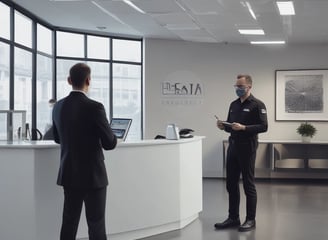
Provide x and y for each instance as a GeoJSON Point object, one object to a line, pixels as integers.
{"type": "Point", "coordinates": [251, 31]}
{"type": "Point", "coordinates": [101, 27]}
{"type": "Point", "coordinates": [286, 8]}
{"type": "Point", "coordinates": [267, 42]}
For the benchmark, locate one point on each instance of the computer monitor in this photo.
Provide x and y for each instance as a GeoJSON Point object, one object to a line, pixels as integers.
{"type": "Point", "coordinates": [120, 127]}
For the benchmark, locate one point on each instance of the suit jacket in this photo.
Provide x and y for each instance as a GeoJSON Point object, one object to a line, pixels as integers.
{"type": "Point", "coordinates": [81, 128]}
{"type": "Point", "coordinates": [49, 134]}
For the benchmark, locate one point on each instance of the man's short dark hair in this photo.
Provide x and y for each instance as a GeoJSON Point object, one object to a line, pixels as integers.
{"type": "Point", "coordinates": [78, 74]}
{"type": "Point", "coordinates": [247, 77]}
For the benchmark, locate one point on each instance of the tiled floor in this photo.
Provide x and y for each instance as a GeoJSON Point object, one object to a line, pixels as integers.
{"type": "Point", "coordinates": [286, 211]}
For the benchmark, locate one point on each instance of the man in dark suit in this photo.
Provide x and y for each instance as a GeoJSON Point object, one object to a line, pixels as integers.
{"type": "Point", "coordinates": [81, 128]}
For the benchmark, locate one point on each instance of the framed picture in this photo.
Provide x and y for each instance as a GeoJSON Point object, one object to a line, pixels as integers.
{"type": "Point", "coordinates": [301, 95]}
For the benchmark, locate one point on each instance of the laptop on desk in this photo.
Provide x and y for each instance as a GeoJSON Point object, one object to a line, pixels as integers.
{"type": "Point", "coordinates": [120, 127]}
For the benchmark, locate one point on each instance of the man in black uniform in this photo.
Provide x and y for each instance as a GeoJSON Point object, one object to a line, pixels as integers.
{"type": "Point", "coordinates": [246, 118]}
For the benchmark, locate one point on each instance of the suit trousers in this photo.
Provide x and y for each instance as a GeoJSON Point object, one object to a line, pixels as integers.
{"type": "Point", "coordinates": [241, 157]}
{"type": "Point", "coordinates": [95, 202]}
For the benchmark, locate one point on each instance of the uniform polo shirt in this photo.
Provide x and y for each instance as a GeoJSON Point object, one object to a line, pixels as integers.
{"type": "Point", "coordinates": [252, 113]}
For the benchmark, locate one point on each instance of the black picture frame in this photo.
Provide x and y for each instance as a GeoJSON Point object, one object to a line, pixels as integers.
{"type": "Point", "coordinates": [301, 95]}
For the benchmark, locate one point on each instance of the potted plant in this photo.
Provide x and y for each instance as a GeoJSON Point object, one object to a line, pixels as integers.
{"type": "Point", "coordinates": [307, 131]}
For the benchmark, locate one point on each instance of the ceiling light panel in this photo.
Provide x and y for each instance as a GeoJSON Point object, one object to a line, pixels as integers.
{"type": "Point", "coordinates": [117, 7]}
{"type": "Point", "coordinates": [250, 10]}
{"type": "Point", "coordinates": [135, 7]}
{"type": "Point", "coordinates": [251, 31]}
{"type": "Point", "coordinates": [158, 6]}
{"type": "Point", "coordinates": [268, 42]}
{"type": "Point", "coordinates": [286, 8]}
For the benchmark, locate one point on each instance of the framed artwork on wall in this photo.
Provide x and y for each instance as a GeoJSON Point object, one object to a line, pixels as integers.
{"type": "Point", "coordinates": [301, 95]}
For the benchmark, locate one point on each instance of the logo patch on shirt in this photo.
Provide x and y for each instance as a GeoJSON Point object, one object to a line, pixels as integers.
{"type": "Point", "coordinates": [246, 110]}
{"type": "Point", "coordinates": [263, 111]}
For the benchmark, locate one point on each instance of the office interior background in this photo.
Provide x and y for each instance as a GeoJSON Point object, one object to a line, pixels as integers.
{"type": "Point", "coordinates": [157, 80]}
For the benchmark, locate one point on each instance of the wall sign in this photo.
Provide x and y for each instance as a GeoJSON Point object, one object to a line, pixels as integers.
{"type": "Point", "coordinates": [182, 88]}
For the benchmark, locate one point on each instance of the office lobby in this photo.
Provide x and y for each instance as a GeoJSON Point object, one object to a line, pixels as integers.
{"type": "Point", "coordinates": [174, 65]}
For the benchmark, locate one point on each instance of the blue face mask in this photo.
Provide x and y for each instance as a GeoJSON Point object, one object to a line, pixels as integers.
{"type": "Point", "coordinates": [240, 92]}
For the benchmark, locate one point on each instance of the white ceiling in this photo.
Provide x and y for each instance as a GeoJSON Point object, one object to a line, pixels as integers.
{"type": "Point", "coordinates": [190, 20]}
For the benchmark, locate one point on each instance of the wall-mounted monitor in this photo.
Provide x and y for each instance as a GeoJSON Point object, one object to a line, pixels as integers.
{"type": "Point", "coordinates": [120, 127]}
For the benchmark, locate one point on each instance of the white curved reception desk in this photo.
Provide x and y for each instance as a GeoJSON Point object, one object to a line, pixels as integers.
{"type": "Point", "coordinates": [154, 186]}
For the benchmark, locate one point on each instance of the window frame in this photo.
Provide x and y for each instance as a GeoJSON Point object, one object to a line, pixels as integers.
{"type": "Point", "coordinates": [35, 21]}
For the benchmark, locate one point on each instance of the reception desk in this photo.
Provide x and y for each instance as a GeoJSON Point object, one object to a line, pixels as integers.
{"type": "Point", "coordinates": [154, 186]}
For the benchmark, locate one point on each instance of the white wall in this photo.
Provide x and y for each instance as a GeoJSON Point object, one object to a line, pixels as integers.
{"type": "Point", "coordinates": [216, 66]}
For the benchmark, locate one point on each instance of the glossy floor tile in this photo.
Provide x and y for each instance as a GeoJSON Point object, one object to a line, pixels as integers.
{"type": "Point", "coordinates": [285, 211]}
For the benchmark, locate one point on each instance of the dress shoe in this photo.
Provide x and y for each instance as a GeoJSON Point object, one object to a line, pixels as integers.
{"type": "Point", "coordinates": [247, 226]}
{"type": "Point", "coordinates": [228, 223]}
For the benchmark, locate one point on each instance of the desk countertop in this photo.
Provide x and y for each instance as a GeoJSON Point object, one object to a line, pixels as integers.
{"type": "Point", "coordinates": [52, 144]}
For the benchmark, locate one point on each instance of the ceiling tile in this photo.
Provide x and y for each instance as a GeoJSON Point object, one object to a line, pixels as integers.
{"type": "Point", "coordinates": [198, 7]}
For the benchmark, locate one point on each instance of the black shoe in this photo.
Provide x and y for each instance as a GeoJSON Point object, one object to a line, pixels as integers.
{"type": "Point", "coordinates": [228, 223]}
{"type": "Point", "coordinates": [247, 226]}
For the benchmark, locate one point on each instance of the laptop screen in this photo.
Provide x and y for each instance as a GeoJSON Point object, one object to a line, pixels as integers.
{"type": "Point", "coordinates": [120, 127]}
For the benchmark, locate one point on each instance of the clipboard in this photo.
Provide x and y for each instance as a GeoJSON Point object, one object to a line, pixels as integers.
{"type": "Point", "coordinates": [227, 124]}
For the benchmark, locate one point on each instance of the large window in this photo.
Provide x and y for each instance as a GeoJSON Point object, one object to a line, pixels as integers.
{"type": "Point", "coordinates": [116, 69]}
{"type": "Point", "coordinates": [99, 84]}
{"type": "Point", "coordinates": [4, 76]}
{"type": "Point", "coordinates": [44, 78]}
{"type": "Point", "coordinates": [126, 77]}
{"type": "Point", "coordinates": [44, 42]}
{"type": "Point", "coordinates": [5, 21]}
{"type": "Point", "coordinates": [127, 95]}
{"type": "Point", "coordinates": [63, 66]}
{"type": "Point", "coordinates": [23, 82]}
{"type": "Point", "coordinates": [23, 30]}
{"type": "Point", "coordinates": [44, 92]}
{"type": "Point", "coordinates": [126, 50]}
{"type": "Point", "coordinates": [98, 47]}
{"type": "Point", "coordinates": [4, 87]}
{"type": "Point", "coordinates": [70, 44]}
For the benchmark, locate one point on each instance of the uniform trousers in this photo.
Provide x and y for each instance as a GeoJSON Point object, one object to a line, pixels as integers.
{"type": "Point", "coordinates": [94, 201]}
{"type": "Point", "coordinates": [241, 160]}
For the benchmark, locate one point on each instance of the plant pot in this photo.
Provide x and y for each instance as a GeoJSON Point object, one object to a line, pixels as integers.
{"type": "Point", "coordinates": [306, 139]}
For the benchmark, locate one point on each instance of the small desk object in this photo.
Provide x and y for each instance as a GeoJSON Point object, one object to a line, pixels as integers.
{"type": "Point", "coordinates": [120, 127]}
